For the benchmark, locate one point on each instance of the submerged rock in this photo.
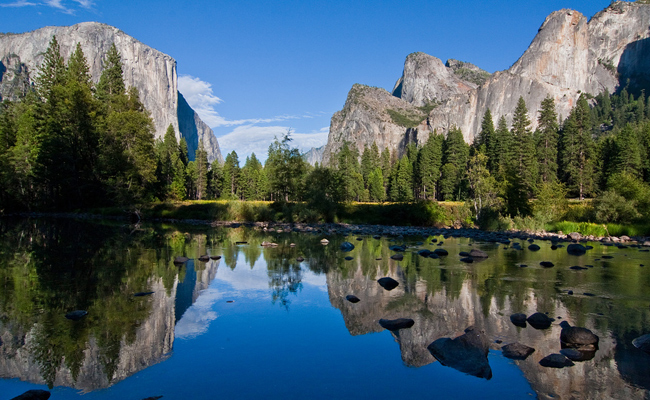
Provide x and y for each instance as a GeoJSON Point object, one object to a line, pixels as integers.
{"type": "Point", "coordinates": [300, 259]}
{"type": "Point", "coordinates": [517, 351]}
{"type": "Point", "coordinates": [642, 343]}
{"type": "Point", "coordinates": [466, 353]}
{"type": "Point", "coordinates": [76, 315]}
{"type": "Point", "coordinates": [204, 258]}
{"type": "Point", "coordinates": [396, 324]}
{"type": "Point", "coordinates": [140, 294]}
{"type": "Point", "coordinates": [398, 257]}
{"type": "Point", "coordinates": [388, 283]}
{"type": "Point", "coordinates": [215, 257]}
{"type": "Point", "coordinates": [476, 253]}
{"type": "Point", "coordinates": [441, 252]}
{"type": "Point", "coordinates": [518, 319]}
{"type": "Point", "coordinates": [180, 260]}
{"type": "Point", "coordinates": [546, 264]}
{"type": "Point", "coordinates": [556, 361]}
{"type": "Point", "coordinates": [346, 246]}
{"type": "Point", "coordinates": [352, 298]}
{"type": "Point", "coordinates": [34, 395]}
{"type": "Point", "coordinates": [540, 321]}
{"type": "Point", "coordinates": [576, 249]}
{"type": "Point", "coordinates": [574, 336]}
{"type": "Point", "coordinates": [533, 247]}
{"type": "Point", "coordinates": [578, 355]}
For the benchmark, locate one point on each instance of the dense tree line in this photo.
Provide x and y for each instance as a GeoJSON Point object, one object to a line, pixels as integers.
{"type": "Point", "coordinates": [70, 144]}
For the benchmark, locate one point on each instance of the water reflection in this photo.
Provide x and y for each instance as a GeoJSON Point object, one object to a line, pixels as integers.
{"type": "Point", "coordinates": [50, 268]}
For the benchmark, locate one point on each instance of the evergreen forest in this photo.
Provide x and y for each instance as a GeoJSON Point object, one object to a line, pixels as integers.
{"type": "Point", "coordinates": [69, 144]}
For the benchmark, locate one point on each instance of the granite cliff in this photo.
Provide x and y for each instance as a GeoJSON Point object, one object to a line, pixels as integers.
{"type": "Point", "coordinates": [152, 72]}
{"type": "Point", "coordinates": [569, 55]}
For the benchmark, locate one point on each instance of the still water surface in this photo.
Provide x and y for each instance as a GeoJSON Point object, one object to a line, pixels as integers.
{"type": "Point", "coordinates": [259, 324]}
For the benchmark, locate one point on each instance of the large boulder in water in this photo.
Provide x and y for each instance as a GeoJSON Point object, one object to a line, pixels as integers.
{"type": "Point", "coordinates": [466, 353]}
{"type": "Point", "coordinates": [556, 361]}
{"type": "Point", "coordinates": [441, 252]}
{"type": "Point", "coordinates": [352, 298]}
{"type": "Point", "coordinates": [33, 395]}
{"type": "Point", "coordinates": [518, 319]}
{"type": "Point", "coordinates": [476, 253]}
{"type": "Point", "coordinates": [573, 336]}
{"type": "Point", "coordinates": [576, 249]}
{"type": "Point", "coordinates": [540, 321]}
{"type": "Point", "coordinates": [347, 246]}
{"type": "Point", "coordinates": [517, 351]}
{"type": "Point", "coordinates": [396, 324]}
{"type": "Point", "coordinates": [388, 283]}
{"type": "Point", "coordinates": [76, 315]}
{"type": "Point", "coordinates": [642, 343]}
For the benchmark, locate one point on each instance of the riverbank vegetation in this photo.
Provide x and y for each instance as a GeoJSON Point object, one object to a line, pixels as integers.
{"type": "Point", "coordinates": [69, 144]}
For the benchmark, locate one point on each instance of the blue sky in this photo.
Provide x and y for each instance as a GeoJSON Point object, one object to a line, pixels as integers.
{"type": "Point", "coordinates": [253, 69]}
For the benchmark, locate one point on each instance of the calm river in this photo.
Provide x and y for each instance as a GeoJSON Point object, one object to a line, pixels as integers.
{"type": "Point", "coordinates": [259, 324]}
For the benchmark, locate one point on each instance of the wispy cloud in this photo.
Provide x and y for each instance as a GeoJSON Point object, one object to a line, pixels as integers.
{"type": "Point", "coordinates": [249, 139]}
{"type": "Point", "coordinates": [57, 4]}
{"type": "Point", "coordinates": [201, 98]}
{"type": "Point", "coordinates": [18, 3]}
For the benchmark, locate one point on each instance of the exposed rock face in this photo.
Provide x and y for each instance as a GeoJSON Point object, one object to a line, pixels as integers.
{"type": "Point", "coordinates": [426, 79]}
{"type": "Point", "coordinates": [153, 73]}
{"type": "Point", "coordinates": [570, 55]}
{"type": "Point", "coordinates": [314, 155]}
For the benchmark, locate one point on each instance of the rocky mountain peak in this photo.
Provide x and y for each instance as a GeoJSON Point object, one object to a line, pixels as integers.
{"type": "Point", "coordinates": [570, 55]}
{"type": "Point", "coordinates": [152, 72]}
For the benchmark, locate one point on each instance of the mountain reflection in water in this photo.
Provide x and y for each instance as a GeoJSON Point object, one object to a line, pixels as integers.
{"type": "Point", "coordinates": [48, 268]}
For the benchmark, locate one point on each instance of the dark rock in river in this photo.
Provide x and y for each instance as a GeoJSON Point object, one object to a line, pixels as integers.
{"type": "Point", "coordinates": [577, 268]}
{"type": "Point", "coordinates": [347, 246]}
{"type": "Point", "coordinates": [642, 343]}
{"type": "Point", "coordinates": [546, 264]}
{"type": "Point", "coordinates": [300, 259]}
{"type": "Point", "coordinates": [76, 315]}
{"type": "Point", "coordinates": [518, 319]}
{"type": "Point", "coordinates": [433, 255]}
{"type": "Point", "coordinates": [424, 252]}
{"type": "Point", "coordinates": [573, 336]}
{"type": "Point", "coordinates": [576, 249]}
{"type": "Point", "coordinates": [467, 260]}
{"type": "Point", "coordinates": [352, 298]}
{"type": "Point", "coordinates": [398, 257]}
{"type": "Point", "coordinates": [388, 283]}
{"type": "Point", "coordinates": [578, 355]}
{"type": "Point", "coordinates": [533, 247]}
{"type": "Point", "coordinates": [397, 248]}
{"type": "Point", "coordinates": [556, 361]}
{"type": "Point", "coordinates": [33, 395]}
{"type": "Point", "coordinates": [441, 252]}
{"type": "Point", "coordinates": [517, 351]}
{"type": "Point", "coordinates": [348, 258]}
{"type": "Point", "coordinates": [463, 254]}
{"type": "Point", "coordinates": [204, 258]}
{"type": "Point", "coordinates": [180, 260]}
{"type": "Point", "coordinates": [540, 321]}
{"type": "Point", "coordinates": [140, 294]}
{"type": "Point", "coordinates": [466, 353]}
{"type": "Point", "coordinates": [476, 253]}
{"type": "Point", "coordinates": [215, 257]}
{"type": "Point", "coordinates": [396, 324]}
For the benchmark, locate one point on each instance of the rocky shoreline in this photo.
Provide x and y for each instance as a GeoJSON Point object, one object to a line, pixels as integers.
{"type": "Point", "coordinates": [372, 230]}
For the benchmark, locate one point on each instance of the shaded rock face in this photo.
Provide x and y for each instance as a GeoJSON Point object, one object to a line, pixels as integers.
{"type": "Point", "coordinates": [466, 353]}
{"type": "Point", "coordinates": [153, 73]}
{"type": "Point", "coordinates": [314, 155]}
{"type": "Point", "coordinates": [570, 55]}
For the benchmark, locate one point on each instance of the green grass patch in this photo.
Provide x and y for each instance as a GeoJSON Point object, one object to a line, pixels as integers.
{"type": "Point", "coordinates": [405, 118]}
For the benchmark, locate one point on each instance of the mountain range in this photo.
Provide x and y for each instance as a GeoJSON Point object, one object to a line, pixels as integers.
{"type": "Point", "coordinates": [569, 56]}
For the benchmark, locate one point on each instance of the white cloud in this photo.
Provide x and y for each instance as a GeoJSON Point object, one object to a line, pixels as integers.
{"type": "Point", "coordinates": [58, 4]}
{"type": "Point", "coordinates": [19, 3]}
{"type": "Point", "coordinates": [251, 138]}
{"type": "Point", "coordinates": [196, 319]}
{"type": "Point", "coordinates": [200, 97]}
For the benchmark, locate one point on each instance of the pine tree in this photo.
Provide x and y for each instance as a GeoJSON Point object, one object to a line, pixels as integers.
{"type": "Point", "coordinates": [111, 82]}
{"type": "Point", "coordinates": [525, 161]}
{"type": "Point", "coordinates": [504, 150]}
{"type": "Point", "coordinates": [52, 70]}
{"type": "Point", "coordinates": [455, 157]}
{"type": "Point", "coordinates": [347, 164]}
{"type": "Point", "coordinates": [546, 140]}
{"type": "Point", "coordinates": [577, 150]}
{"type": "Point", "coordinates": [231, 173]}
{"type": "Point", "coordinates": [376, 185]}
{"type": "Point", "coordinates": [404, 179]}
{"type": "Point", "coordinates": [485, 141]}
{"type": "Point", "coordinates": [285, 169]}
{"type": "Point", "coordinates": [202, 167]}
{"type": "Point", "coordinates": [628, 157]}
{"type": "Point", "coordinates": [430, 162]}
